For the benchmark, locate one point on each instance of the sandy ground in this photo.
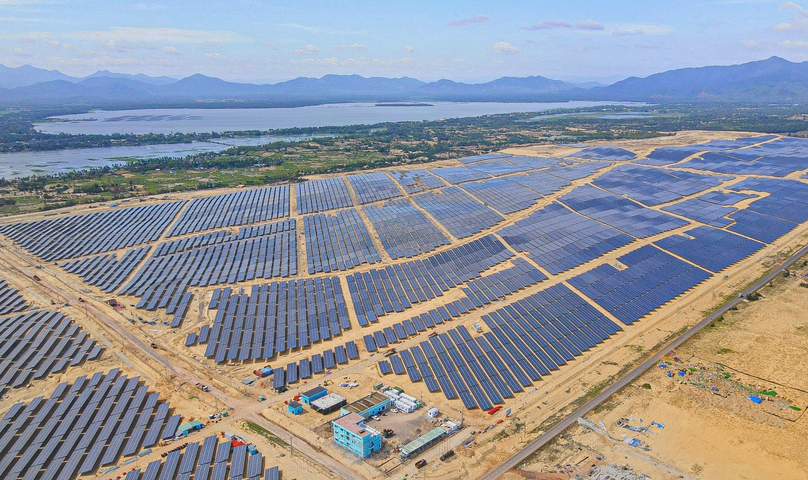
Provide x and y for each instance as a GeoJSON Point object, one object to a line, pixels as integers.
{"type": "Point", "coordinates": [712, 429]}
{"type": "Point", "coordinates": [531, 408]}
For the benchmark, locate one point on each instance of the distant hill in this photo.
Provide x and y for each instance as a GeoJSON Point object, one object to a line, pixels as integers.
{"type": "Point", "coordinates": [27, 75]}
{"type": "Point", "coordinates": [771, 80]}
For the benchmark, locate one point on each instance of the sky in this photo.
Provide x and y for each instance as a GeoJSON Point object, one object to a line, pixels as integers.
{"type": "Point", "coordinates": [473, 41]}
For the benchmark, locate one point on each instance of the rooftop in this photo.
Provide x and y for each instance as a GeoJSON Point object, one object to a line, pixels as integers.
{"type": "Point", "coordinates": [371, 400]}
{"type": "Point", "coordinates": [314, 391]}
{"type": "Point", "coordinates": [294, 404]}
{"type": "Point", "coordinates": [355, 424]}
{"type": "Point", "coordinates": [328, 401]}
{"type": "Point", "coordinates": [423, 440]}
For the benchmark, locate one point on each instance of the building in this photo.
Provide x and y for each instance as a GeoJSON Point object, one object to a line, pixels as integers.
{"type": "Point", "coordinates": [313, 394]}
{"type": "Point", "coordinates": [329, 403]}
{"type": "Point", "coordinates": [294, 407]}
{"type": "Point", "coordinates": [369, 405]}
{"type": "Point", "coordinates": [351, 432]}
{"type": "Point", "coordinates": [189, 427]}
{"type": "Point", "coordinates": [423, 442]}
{"type": "Point", "coordinates": [433, 412]}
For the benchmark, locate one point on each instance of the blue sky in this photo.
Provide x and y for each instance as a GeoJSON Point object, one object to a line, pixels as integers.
{"type": "Point", "coordinates": [461, 40]}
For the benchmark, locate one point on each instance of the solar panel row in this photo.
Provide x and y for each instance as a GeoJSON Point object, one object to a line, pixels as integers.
{"type": "Point", "coordinates": [497, 166]}
{"type": "Point", "coordinates": [10, 299]}
{"type": "Point", "coordinates": [90, 234]}
{"type": "Point", "coordinates": [414, 181]}
{"type": "Point", "coordinates": [460, 213]}
{"type": "Point", "coordinates": [162, 280]}
{"type": "Point", "coordinates": [653, 186]}
{"type": "Point", "coordinates": [36, 344]}
{"type": "Point", "coordinates": [710, 248]}
{"type": "Point", "coordinates": [528, 339]}
{"type": "Point", "coordinates": [277, 317]}
{"type": "Point", "coordinates": [455, 175]}
{"type": "Point", "coordinates": [559, 239]}
{"type": "Point", "coordinates": [373, 187]}
{"type": "Point", "coordinates": [396, 287]}
{"type": "Point", "coordinates": [318, 363]}
{"type": "Point", "coordinates": [322, 195]}
{"type": "Point", "coordinates": [403, 229]}
{"type": "Point", "coordinates": [337, 241]}
{"type": "Point", "coordinates": [82, 426]}
{"type": "Point", "coordinates": [232, 209]}
{"type": "Point", "coordinates": [501, 194]}
{"type": "Point", "coordinates": [233, 463]}
{"type": "Point", "coordinates": [620, 213]}
{"type": "Point", "coordinates": [651, 279]}
{"type": "Point", "coordinates": [106, 271]}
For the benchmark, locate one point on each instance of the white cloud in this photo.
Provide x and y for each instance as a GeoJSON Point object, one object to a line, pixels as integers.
{"type": "Point", "coordinates": [794, 44]}
{"type": "Point", "coordinates": [750, 43]}
{"type": "Point", "coordinates": [355, 46]}
{"type": "Point", "coordinates": [563, 24]}
{"type": "Point", "coordinates": [798, 22]}
{"type": "Point", "coordinates": [409, 48]}
{"type": "Point", "coordinates": [642, 29]}
{"type": "Point", "coordinates": [270, 46]}
{"type": "Point", "coordinates": [589, 25]}
{"type": "Point", "coordinates": [171, 50]}
{"type": "Point", "coordinates": [549, 24]}
{"type": "Point", "coordinates": [469, 21]}
{"type": "Point", "coordinates": [308, 50]}
{"type": "Point", "coordinates": [160, 35]}
{"type": "Point", "coordinates": [504, 47]}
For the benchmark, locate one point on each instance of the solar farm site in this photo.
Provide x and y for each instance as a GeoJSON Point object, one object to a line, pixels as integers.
{"type": "Point", "coordinates": [497, 288]}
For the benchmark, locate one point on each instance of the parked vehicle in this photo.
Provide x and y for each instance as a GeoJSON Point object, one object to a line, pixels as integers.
{"type": "Point", "coordinates": [420, 463]}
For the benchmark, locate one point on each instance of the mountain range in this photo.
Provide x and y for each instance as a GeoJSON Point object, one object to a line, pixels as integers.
{"type": "Point", "coordinates": [770, 80]}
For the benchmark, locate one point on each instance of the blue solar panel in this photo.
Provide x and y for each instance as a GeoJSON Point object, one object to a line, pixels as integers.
{"type": "Point", "coordinates": [710, 248]}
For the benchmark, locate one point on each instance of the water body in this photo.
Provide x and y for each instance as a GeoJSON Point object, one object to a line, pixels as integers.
{"type": "Point", "coordinates": [224, 120]}
{"type": "Point", "coordinates": [23, 164]}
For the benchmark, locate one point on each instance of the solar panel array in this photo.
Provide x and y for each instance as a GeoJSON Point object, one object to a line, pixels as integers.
{"type": "Point", "coordinates": [162, 280]}
{"type": "Point", "coordinates": [337, 241]}
{"type": "Point", "coordinates": [277, 317]}
{"type": "Point", "coordinates": [373, 187]}
{"type": "Point", "coordinates": [702, 211]}
{"type": "Point", "coordinates": [455, 175]}
{"type": "Point", "coordinates": [485, 156]}
{"type": "Point", "coordinates": [497, 167]}
{"type": "Point", "coordinates": [559, 239]}
{"type": "Point", "coordinates": [106, 271]}
{"type": "Point", "coordinates": [90, 234]}
{"type": "Point", "coordinates": [403, 229]}
{"type": "Point", "coordinates": [528, 339]}
{"type": "Point", "coordinates": [620, 213]}
{"type": "Point", "coordinates": [788, 199]}
{"type": "Point", "coordinates": [36, 344]}
{"type": "Point", "coordinates": [233, 209]}
{"type": "Point", "coordinates": [651, 279]}
{"type": "Point", "coordinates": [604, 153]}
{"type": "Point", "coordinates": [728, 162]}
{"type": "Point", "coordinates": [318, 363]}
{"type": "Point", "coordinates": [669, 155]}
{"type": "Point", "coordinates": [498, 285]}
{"type": "Point", "coordinates": [198, 462]}
{"type": "Point", "coordinates": [539, 181]}
{"type": "Point", "coordinates": [653, 186]}
{"type": "Point", "coordinates": [724, 198]}
{"type": "Point", "coordinates": [85, 425]}
{"type": "Point", "coordinates": [759, 226]}
{"type": "Point", "coordinates": [10, 299]}
{"type": "Point", "coordinates": [417, 324]}
{"type": "Point", "coordinates": [322, 195]}
{"type": "Point", "coordinates": [504, 196]}
{"type": "Point", "coordinates": [456, 210]}
{"type": "Point", "coordinates": [396, 287]}
{"type": "Point", "coordinates": [534, 162]}
{"type": "Point", "coordinates": [574, 172]}
{"type": "Point", "coordinates": [414, 181]}
{"type": "Point", "coordinates": [710, 248]}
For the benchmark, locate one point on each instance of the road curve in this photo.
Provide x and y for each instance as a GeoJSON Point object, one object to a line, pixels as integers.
{"type": "Point", "coordinates": [632, 375]}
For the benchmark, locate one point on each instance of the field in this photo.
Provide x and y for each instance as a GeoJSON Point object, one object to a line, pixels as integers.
{"type": "Point", "coordinates": [528, 279]}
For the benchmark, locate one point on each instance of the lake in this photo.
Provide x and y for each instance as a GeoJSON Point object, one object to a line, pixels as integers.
{"type": "Point", "coordinates": [23, 164]}
{"type": "Point", "coordinates": [224, 120]}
